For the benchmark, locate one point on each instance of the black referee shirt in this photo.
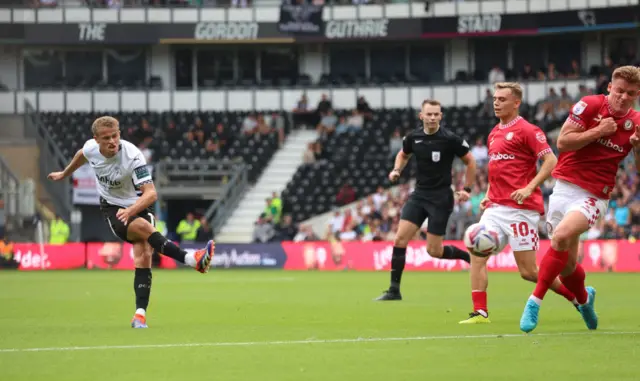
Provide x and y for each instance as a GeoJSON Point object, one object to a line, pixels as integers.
{"type": "Point", "coordinates": [434, 156]}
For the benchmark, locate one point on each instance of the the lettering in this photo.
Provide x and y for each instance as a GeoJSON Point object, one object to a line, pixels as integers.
{"type": "Point", "coordinates": [609, 144]}
{"type": "Point", "coordinates": [501, 156]}
{"type": "Point", "coordinates": [92, 32]}
{"type": "Point", "coordinates": [479, 23]}
{"type": "Point", "coordinates": [226, 31]}
{"type": "Point", "coordinates": [109, 182]}
{"type": "Point", "coordinates": [357, 29]}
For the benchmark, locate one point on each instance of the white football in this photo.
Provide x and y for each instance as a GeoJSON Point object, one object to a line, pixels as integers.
{"type": "Point", "coordinates": [481, 240]}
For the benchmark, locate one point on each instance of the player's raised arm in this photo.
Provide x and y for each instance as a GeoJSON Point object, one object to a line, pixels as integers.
{"type": "Point", "coordinates": [575, 134]}
{"type": "Point", "coordinates": [78, 161]}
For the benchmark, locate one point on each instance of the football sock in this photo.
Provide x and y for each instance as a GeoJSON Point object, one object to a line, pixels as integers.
{"type": "Point", "coordinates": [575, 283]}
{"type": "Point", "coordinates": [398, 259]}
{"type": "Point", "coordinates": [142, 287]}
{"type": "Point", "coordinates": [166, 247]}
{"type": "Point", "coordinates": [550, 267]}
{"type": "Point", "coordinates": [561, 289]}
{"type": "Point", "coordinates": [480, 302]}
{"type": "Point", "coordinates": [452, 252]}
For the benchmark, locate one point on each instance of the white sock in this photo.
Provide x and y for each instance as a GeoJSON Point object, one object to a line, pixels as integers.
{"type": "Point", "coordinates": [575, 302]}
{"type": "Point", "coordinates": [536, 300]}
{"type": "Point", "coordinates": [141, 311]}
{"type": "Point", "coordinates": [190, 259]}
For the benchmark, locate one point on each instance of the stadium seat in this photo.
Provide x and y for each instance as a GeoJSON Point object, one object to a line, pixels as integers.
{"type": "Point", "coordinates": [72, 129]}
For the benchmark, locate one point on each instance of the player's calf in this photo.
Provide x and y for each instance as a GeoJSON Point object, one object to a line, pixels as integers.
{"type": "Point", "coordinates": [142, 230]}
{"type": "Point", "coordinates": [436, 249]}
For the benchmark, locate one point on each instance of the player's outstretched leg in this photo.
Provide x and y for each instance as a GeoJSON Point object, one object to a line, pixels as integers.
{"type": "Point", "coordinates": [199, 260]}
{"type": "Point", "coordinates": [406, 230]}
{"type": "Point", "coordinates": [559, 258]}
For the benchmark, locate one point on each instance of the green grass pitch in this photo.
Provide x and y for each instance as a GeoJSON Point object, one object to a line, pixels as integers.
{"type": "Point", "coordinates": [276, 325]}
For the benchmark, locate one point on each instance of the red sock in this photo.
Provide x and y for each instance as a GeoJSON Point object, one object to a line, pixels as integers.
{"type": "Point", "coordinates": [575, 283]}
{"type": "Point", "coordinates": [552, 264]}
{"type": "Point", "coordinates": [564, 291]}
{"type": "Point", "coordinates": [479, 301]}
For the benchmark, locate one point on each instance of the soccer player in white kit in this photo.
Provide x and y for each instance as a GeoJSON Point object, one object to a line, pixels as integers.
{"type": "Point", "coordinates": [126, 194]}
{"type": "Point", "coordinates": [514, 203]}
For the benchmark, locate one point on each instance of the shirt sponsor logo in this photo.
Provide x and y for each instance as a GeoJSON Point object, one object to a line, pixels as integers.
{"type": "Point", "coordinates": [609, 144]}
{"type": "Point", "coordinates": [501, 156]}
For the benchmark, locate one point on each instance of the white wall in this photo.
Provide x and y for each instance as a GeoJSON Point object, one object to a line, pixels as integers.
{"type": "Point", "coordinates": [262, 100]}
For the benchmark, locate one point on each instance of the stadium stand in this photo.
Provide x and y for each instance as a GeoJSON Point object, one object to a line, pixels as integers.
{"type": "Point", "coordinates": [361, 157]}
{"type": "Point", "coordinates": [210, 136]}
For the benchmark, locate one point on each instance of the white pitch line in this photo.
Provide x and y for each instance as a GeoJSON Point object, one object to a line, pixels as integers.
{"type": "Point", "coordinates": [299, 342]}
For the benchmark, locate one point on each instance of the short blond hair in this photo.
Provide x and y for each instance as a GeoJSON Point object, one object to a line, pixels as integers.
{"type": "Point", "coordinates": [515, 87]}
{"type": "Point", "coordinates": [629, 73]}
{"type": "Point", "coordinates": [431, 102]}
{"type": "Point", "coordinates": [104, 121]}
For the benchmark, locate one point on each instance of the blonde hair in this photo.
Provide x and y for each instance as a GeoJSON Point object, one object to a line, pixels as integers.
{"type": "Point", "coordinates": [431, 102]}
{"type": "Point", "coordinates": [629, 73]}
{"type": "Point", "coordinates": [103, 121]}
{"type": "Point", "coordinates": [515, 87]}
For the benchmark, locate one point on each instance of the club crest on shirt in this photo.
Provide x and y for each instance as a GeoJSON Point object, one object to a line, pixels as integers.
{"type": "Point", "coordinates": [628, 124]}
{"type": "Point", "coordinates": [579, 108]}
{"type": "Point", "coordinates": [541, 137]}
{"type": "Point", "coordinates": [435, 156]}
{"type": "Point", "coordinates": [509, 136]}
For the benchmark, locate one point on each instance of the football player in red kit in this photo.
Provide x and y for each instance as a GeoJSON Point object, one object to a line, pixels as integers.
{"type": "Point", "coordinates": [599, 133]}
{"type": "Point", "coordinates": [514, 203]}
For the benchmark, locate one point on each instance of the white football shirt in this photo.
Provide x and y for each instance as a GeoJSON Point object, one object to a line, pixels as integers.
{"type": "Point", "coordinates": [119, 177]}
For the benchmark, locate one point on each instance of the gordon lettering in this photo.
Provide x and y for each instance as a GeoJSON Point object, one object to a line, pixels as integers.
{"type": "Point", "coordinates": [226, 31]}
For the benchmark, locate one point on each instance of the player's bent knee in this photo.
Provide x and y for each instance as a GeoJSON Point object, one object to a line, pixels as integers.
{"type": "Point", "coordinates": [140, 230]}
{"type": "Point", "coordinates": [435, 249]}
{"type": "Point", "coordinates": [400, 241]}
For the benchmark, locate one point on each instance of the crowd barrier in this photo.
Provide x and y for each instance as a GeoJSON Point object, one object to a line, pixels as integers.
{"type": "Point", "coordinates": [595, 256]}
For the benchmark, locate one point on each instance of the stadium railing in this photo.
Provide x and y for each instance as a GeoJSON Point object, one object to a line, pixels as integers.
{"type": "Point", "coordinates": [266, 99]}
{"type": "Point", "coordinates": [49, 160]}
{"type": "Point", "coordinates": [223, 182]}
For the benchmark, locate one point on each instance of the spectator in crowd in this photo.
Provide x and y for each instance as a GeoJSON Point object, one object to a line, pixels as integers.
{"type": "Point", "coordinates": [286, 230]}
{"type": "Point", "coordinates": [204, 233]}
{"type": "Point", "coordinates": [480, 152]}
{"type": "Point", "coordinates": [263, 231]}
{"type": "Point", "coordinates": [496, 75]}
{"type": "Point", "coordinates": [58, 231]}
{"type": "Point", "coordinates": [346, 195]}
{"type": "Point", "coordinates": [188, 229]}
{"type": "Point", "coordinates": [395, 144]}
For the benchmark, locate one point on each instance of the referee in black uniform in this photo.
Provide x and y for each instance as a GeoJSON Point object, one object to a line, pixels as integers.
{"type": "Point", "coordinates": [434, 149]}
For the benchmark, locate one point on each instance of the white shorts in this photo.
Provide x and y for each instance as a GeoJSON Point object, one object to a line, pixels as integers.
{"type": "Point", "coordinates": [567, 197]}
{"type": "Point", "coordinates": [516, 227]}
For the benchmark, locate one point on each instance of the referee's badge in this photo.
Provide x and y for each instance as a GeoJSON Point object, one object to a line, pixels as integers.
{"type": "Point", "coordinates": [435, 156]}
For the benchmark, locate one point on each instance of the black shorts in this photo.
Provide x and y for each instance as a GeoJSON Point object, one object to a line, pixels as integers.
{"type": "Point", "coordinates": [437, 206]}
{"type": "Point", "coordinates": [117, 227]}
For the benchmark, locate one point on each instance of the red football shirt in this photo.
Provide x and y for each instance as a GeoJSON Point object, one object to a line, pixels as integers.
{"type": "Point", "coordinates": [594, 166]}
{"type": "Point", "coordinates": [514, 150]}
